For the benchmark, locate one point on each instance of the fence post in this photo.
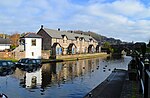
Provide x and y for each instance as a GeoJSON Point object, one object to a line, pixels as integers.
{"type": "Point", "coordinates": [146, 67]}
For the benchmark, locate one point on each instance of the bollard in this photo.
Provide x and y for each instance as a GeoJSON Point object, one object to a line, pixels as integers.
{"type": "Point", "coordinates": [146, 67]}
{"type": "Point", "coordinates": [141, 57]}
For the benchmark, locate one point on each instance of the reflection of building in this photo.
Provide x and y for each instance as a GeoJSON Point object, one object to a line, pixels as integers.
{"type": "Point", "coordinates": [56, 73]}
{"type": "Point", "coordinates": [33, 79]}
{"type": "Point", "coordinates": [62, 42]}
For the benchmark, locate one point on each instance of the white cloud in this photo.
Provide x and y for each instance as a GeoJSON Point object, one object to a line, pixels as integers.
{"type": "Point", "coordinates": [124, 19]}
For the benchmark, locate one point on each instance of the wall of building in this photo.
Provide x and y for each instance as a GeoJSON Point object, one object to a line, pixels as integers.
{"type": "Point", "coordinates": [33, 51]}
{"type": "Point", "coordinates": [46, 40]}
{"type": "Point", "coordinates": [5, 55]}
{"type": "Point", "coordinates": [45, 54]}
{"type": "Point", "coordinates": [18, 55]}
{"type": "Point", "coordinates": [82, 46]}
{"type": "Point", "coordinates": [4, 46]}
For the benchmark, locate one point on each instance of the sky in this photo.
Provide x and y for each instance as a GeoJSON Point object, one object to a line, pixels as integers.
{"type": "Point", "coordinates": [128, 20]}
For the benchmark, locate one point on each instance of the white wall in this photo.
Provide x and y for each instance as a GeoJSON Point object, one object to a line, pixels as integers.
{"type": "Point", "coordinates": [4, 46]}
{"type": "Point", "coordinates": [35, 49]}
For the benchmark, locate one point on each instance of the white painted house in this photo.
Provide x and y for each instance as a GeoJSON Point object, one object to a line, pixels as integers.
{"type": "Point", "coordinates": [32, 45]}
{"type": "Point", "coordinates": [4, 44]}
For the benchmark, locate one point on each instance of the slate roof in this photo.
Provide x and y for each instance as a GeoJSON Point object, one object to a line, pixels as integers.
{"type": "Point", "coordinates": [31, 35]}
{"type": "Point", "coordinates": [71, 36]}
{"type": "Point", "coordinates": [4, 41]}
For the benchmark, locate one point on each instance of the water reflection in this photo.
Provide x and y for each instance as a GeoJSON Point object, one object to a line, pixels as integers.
{"type": "Point", "coordinates": [63, 79]}
{"type": "Point", "coordinates": [55, 73]}
{"type": "Point", "coordinates": [6, 72]}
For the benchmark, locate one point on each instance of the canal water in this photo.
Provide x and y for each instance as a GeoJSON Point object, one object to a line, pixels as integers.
{"type": "Point", "coordinates": [72, 79]}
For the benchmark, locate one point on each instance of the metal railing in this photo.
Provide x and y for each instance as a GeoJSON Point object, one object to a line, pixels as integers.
{"type": "Point", "coordinates": [143, 75]}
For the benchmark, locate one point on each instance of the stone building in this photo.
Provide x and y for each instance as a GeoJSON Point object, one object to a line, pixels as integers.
{"type": "Point", "coordinates": [64, 43]}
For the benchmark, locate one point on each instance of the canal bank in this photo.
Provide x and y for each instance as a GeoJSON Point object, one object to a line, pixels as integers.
{"type": "Point", "coordinates": [117, 85]}
{"type": "Point", "coordinates": [111, 87]}
{"type": "Point", "coordinates": [62, 58]}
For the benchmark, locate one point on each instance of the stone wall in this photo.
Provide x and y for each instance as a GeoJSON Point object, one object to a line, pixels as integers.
{"type": "Point", "coordinates": [80, 55]}
{"type": "Point", "coordinates": [5, 55]}
{"type": "Point", "coordinates": [18, 55]}
{"type": "Point", "coordinates": [45, 54]}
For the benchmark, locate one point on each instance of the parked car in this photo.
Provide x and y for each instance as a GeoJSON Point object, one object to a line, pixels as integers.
{"type": "Point", "coordinates": [6, 64]}
{"type": "Point", "coordinates": [28, 62]}
{"type": "Point", "coordinates": [38, 61]}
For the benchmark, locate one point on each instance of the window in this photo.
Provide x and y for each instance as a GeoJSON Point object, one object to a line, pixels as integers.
{"type": "Point", "coordinates": [32, 53]}
{"type": "Point", "coordinates": [33, 42]}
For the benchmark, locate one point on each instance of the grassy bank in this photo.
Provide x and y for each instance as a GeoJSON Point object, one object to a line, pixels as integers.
{"type": "Point", "coordinates": [71, 57]}
{"type": "Point", "coordinates": [13, 60]}
{"type": "Point", "coordinates": [76, 57]}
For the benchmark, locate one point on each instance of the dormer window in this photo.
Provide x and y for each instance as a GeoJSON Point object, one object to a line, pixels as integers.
{"type": "Point", "coordinates": [81, 38]}
{"type": "Point", "coordinates": [76, 37]}
{"type": "Point", "coordinates": [64, 38]}
{"type": "Point", "coordinates": [90, 39]}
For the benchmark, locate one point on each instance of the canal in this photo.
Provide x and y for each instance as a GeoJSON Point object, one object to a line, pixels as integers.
{"type": "Point", "coordinates": [72, 79]}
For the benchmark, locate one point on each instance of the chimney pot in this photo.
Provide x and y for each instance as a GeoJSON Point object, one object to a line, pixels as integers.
{"type": "Point", "coordinates": [41, 26]}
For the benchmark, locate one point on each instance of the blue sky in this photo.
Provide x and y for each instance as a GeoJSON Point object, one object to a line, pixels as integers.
{"type": "Point", "coordinates": [128, 20]}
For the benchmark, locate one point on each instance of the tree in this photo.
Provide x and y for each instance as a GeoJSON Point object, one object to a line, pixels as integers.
{"type": "Point", "coordinates": [106, 45]}
{"type": "Point", "coordinates": [148, 45]}
{"type": "Point", "coordinates": [15, 39]}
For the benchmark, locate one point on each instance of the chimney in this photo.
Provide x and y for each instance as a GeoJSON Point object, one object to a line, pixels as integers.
{"type": "Point", "coordinates": [41, 26]}
{"type": "Point", "coordinates": [4, 36]}
{"type": "Point", "coordinates": [58, 29]}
